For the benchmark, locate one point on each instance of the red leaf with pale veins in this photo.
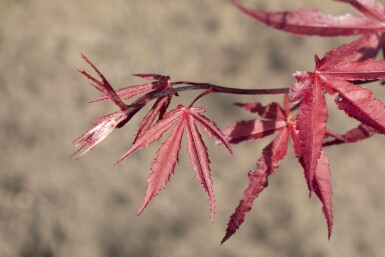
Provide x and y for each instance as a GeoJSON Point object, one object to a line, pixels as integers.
{"type": "Point", "coordinates": [198, 152]}
{"type": "Point", "coordinates": [211, 128]}
{"type": "Point", "coordinates": [363, 70]}
{"type": "Point", "coordinates": [367, 46]}
{"type": "Point", "coordinates": [159, 108]}
{"type": "Point", "coordinates": [338, 65]}
{"type": "Point", "coordinates": [128, 92]}
{"type": "Point", "coordinates": [167, 156]}
{"type": "Point", "coordinates": [199, 158]}
{"type": "Point", "coordinates": [323, 189]}
{"type": "Point", "coordinates": [313, 22]}
{"type": "Point", "coordinates": [271, 111]}
{"type": "Point", "coordinates": [267, 164]}
{"type": "Point", "coordinates": [103, 86]}
{"type": "Point", "coordinates": [252, 129]}
{"type": "Point", "coordinates": [161, 82]}
{"type": "Point", "coordinates": [154, 133]}
{"type": "Point", "coordinates": [358, 103]}
{"type": "Point", "coordinates": [101, 128]}
{"type": "Point", "coordinates": [311, 125]}
{"type": "Point", "coordinates": [257, 182]}
{"type": "Point", "coordinates": [164, 163]}
{"type": "Point", "coordinates": [321, 182]}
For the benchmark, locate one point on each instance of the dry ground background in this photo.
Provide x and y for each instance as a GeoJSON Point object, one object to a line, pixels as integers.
{"type": "Point", "coordinates": [52, 206]}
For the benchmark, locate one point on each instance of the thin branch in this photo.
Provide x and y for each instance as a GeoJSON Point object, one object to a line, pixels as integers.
{"type": "Point", "coordinates": [218, 89]}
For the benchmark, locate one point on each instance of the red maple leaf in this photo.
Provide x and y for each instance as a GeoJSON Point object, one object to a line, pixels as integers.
{"type": "Point", "coordinates": [334, 75]}
{"type": "Point", "coordinates": [105, 124]}
{"type": "Point", "coordinates": [159, 83]}
{"type": "Point", "coordinates": [313, 22]}
{"type": "Point", "coordinates": [181, 119]}
{"type": "Point", "coordinates": [272, 154]}
{"type": "Point", "coordinates": [339, 73]}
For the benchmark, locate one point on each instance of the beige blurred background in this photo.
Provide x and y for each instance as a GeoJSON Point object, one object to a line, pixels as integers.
{"type": "Point", "coordinates": [53, 206]}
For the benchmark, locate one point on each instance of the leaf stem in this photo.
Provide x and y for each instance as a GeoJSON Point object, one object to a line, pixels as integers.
{"type": "Point", "coordinates": [209, 91]}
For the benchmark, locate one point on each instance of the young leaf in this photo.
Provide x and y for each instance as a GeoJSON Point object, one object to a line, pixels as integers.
{"type": "Point", "coordinates": [103, 85]}
{"type": "Point", "coordinates": [128, 92]}
{"type": "Point", "coordinates": [161, 82]}
{"type": "Point", "coordinates": [103, 126]}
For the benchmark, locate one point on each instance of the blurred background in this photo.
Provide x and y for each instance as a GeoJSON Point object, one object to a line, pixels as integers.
{"type": "Point", "coordinates": [54, 206]}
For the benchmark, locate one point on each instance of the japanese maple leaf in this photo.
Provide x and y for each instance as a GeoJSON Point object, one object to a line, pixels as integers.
{"type": "Point", "coordinates": [103, 85]}
{"type": "Point", "coordinates": [159, 83]}
{"type": "Point", "coordinates": [334, 73]}
{"type": "Point", "coordinates": [105, 124]}
{"type": "Point", "coordinates": [312, 22]}
{"type": "Point", "coordinates": [274, 119]}
{"type": "Point", "coordinates": [181, 119]}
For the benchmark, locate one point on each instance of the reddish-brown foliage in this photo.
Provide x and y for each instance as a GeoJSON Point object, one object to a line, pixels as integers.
{"type": "Point", "coordinates": [302, 116]}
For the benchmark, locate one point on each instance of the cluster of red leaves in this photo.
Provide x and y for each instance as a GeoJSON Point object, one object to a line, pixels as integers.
{"type": "Point", "coordinates": [302, 116]}
{"type": "Point", "coordinates": [336, 74]}
{"type": "Point", "coordinates": [178, 120]}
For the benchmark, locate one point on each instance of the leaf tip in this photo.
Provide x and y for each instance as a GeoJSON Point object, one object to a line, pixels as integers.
{"type": "Point", "coordinates": [317, 60]}
{"type": "Point", "coordinates": [224, 239]}
{"type": "Point", "coordinates": [141, 209]}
